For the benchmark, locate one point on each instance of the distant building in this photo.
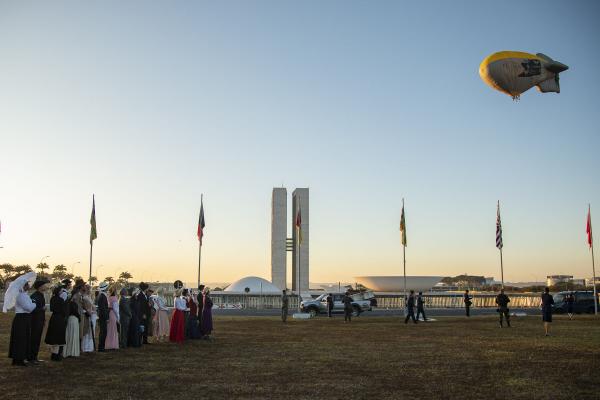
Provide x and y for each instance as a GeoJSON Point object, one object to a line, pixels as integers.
{"type": "Point", "coordinates": [553, 280]}
{"type": "Point", "coordinates": [590, 281]}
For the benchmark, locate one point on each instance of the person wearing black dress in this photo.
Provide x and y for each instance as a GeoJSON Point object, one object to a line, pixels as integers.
{"type": "Point", "coordinates": [103, 315]}
{"type": "Point", "coordinates": [38, 319]}
{"type": "Point", "coordinates": [55, 335]}
{"type": "Point", "coordinates": [547, 302]}
{"type": "Point", "coordinates": [135, 338]}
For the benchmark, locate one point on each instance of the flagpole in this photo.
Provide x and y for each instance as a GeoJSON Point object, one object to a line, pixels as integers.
{"type": "Point", "coordinates": [501, 269]}
{"type": "Point", "coordinates": [199, 260]}
{"type": "Point", "coordinates": [90, 276]}
{"type": "Point", "coordinates": [200, 238]}
{"type": "Point", "coordinates": [404, 259]}
{"type": "Point", "coordinates": [593, 265]}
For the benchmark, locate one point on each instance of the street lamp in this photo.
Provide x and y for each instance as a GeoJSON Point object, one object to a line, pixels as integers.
{"type": "Point", "coordinates": [43, 258]}
{"type": "Point", "coordinates": [73, 266]}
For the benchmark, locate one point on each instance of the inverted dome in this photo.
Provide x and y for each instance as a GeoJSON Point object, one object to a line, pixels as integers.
{"type": "Point", "coordinates": [396, 283]}
{"type": "Point", "coordinates": [254, 284]}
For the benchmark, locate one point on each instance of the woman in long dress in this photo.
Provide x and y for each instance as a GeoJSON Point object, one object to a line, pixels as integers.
{"type": "Point", "coordinates": [112, 332]}
{"type": "Point", "coordinates": [20, 334]}
{"type": "Point", "coordinates": [206, 325]}
{"type": "Point", "coordinates": [161, 316]}
{"type": "Point", "coordinates": [72, 346]}
{"type": "Point", "coordinates": [177, 331]}
{"type": "Point", "coordinates": [89, 321]}
{"type": "Point", "coordinates": [135, 338]}
{"type": "Point", "coordinates": [55, 335]}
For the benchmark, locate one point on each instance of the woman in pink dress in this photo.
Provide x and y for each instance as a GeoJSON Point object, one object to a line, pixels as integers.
{"type": "Point", "coordinates": [112, 333]}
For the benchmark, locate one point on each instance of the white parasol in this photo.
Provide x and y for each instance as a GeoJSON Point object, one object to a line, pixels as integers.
{"type": "Point", "coordinates": [10, 297]}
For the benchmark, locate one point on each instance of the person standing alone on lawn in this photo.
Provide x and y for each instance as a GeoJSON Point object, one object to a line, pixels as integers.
{"type": "Point", "coordinates": [284, 306]}
{"type": "Point", "coordinates": [329, 299]}
{"type": "Point", "coordinates": [347, 300]}
{"type": "Point", "coordinates": [502, 301]}
{"type": "Point", "coordinates": [421, 307]}
{"type": "Point", "coordinates": [547, 302]}
{"type": "Point", "coordinates": [570, 299]}
{"type": "Point", "coordinates": [467, 299]}
{"type": "Point", "coordinates": [410, 308]}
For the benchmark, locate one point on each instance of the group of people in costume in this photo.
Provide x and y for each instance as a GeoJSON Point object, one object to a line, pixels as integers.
{"type": "Point", "coordinates": [109, 319]}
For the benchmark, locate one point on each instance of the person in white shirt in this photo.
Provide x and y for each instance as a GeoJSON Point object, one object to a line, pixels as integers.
{"type": "Point", "coordinates": [20, 335]}
{"type": "Point", "coordinates": [177, 331]}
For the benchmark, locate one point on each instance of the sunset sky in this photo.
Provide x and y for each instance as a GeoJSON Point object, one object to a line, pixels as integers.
{"type": "Point", "coordinates": [150, 104]}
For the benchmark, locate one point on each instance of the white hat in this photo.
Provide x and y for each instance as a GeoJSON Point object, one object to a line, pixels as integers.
{"type": "Point", "coordinates": [10, 297]}
{"type": "Point", "coordinates": [103, 286]}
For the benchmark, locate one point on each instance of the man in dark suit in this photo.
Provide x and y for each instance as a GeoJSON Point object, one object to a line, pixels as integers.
{"type": "Point", "coordinates": [502, 301]}
{"type": "Point", "coordinates": [103, 314]}
{"type": "Point", "coordinates": [467, 299]}
{"type": "Point", "coordinates": [410, 307]}
{"type": "Point", "coordinates": [329, 304]}
{"type": "Point", "coordinates": [145, 310]}
{"type": "Point", "coordinates": [200, 299]}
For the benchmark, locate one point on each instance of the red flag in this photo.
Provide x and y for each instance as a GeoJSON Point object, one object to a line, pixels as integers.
{"type": "Point", "coordinates": [588, 229]}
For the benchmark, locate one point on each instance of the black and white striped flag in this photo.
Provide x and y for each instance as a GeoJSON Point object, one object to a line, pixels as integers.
{"type": "Point", "coordinates": [498, 229]}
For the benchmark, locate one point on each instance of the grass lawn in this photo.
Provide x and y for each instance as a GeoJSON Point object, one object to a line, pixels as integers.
{"type": "Point", "coordinates": [372, 358]}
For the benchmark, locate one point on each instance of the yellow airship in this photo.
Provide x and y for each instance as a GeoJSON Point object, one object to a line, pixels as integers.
{"type": "Point", "coordinates": [515, 72]}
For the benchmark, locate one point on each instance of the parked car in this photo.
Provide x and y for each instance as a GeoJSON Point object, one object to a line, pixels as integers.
{"type": "Point", "coordinates": [319, 305]}
{"type": "Point", "coordinates": [584, 302]}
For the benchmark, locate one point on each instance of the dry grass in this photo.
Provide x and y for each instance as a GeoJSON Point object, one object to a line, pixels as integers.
{"type": "Point", "coordinates": [374, 358]}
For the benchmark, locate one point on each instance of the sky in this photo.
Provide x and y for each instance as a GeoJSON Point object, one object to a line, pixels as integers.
{"type": "Point", "coordinates": [148, 105]}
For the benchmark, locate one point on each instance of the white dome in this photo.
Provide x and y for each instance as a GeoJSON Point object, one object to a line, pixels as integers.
{"type": "Point", "coordinates": [253, 283]}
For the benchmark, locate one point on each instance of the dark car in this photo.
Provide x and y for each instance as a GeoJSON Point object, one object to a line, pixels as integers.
{"type": "Point", "coordinates": [584, 302]}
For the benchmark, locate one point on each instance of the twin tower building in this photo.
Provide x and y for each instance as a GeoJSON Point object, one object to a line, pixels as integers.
{"type": "Point", "coordinates": [281, 243]}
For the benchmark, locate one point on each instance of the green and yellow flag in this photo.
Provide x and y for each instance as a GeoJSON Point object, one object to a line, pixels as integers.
{"type": "Point", "coordinates": [93, 233]}
{"type": "Point", "coordinates": [403, 226]}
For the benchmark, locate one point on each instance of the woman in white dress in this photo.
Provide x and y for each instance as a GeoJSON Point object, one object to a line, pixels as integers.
{"type": "Point", "coordinates": [161, 316]}
{"type": "Point", "coordinates": [72, 347]}
{"type": "Point", "coordinates": [90, 317]}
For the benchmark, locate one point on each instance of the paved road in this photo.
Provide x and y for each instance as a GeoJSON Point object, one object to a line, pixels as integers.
{"type": "Point", "coordinates": [430, 312]}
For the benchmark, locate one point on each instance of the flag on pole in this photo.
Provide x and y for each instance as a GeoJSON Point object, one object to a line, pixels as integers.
{"type": "Point", "coordinates": [201, 223]}
{"type": "Point", "coordinates": [588, 229]}
{"type": "Point", "coordinates": [499, 244]}
{"type": "Point", "coordinates": [299, 224]}
{"type": "Point", "coordinates": [403, 226]}
{"type": "Point", "coordinates": [93, 233]}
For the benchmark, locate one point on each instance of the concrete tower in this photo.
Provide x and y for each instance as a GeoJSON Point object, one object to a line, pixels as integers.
{"type": "Point", "coordinates": [279, 237]}
{"type": "Point", "coordinates": [300, 201]}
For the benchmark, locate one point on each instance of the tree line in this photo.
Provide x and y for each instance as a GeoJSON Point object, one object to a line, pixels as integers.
{"type": "Point", "coordinates": [9, 272]}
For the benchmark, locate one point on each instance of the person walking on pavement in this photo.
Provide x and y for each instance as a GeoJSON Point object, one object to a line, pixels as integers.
{"type": "Point", "coordinates": [410, 308]}
{"type": "Point", "coordinates": [329, 299]}
{"type": "Point", "coordinates": [284, 306]}
{"type": "Point", "coordinates": [347, 300]}
{"type": "Point", "coordinates": [502, 301]}
{"type": "Point", "coordinates": [467, 299]}
{"type": "Point", "coordinates": [421, 307]}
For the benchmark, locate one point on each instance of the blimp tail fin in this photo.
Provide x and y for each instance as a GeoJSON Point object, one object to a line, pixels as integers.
{"type": "Point", "coordinates": [550, 85]}
{"type": "Point", "coordinates": [552, 65]}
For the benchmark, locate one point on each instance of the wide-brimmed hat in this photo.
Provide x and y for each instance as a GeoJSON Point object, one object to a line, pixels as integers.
{"type": "Point", "coordinates": [40, 282]}
{"type": "Point", "coordinates": [15, 287]}
{"type": "Point", "coordinates": [143, 286]}
{"type": "Point", "coordinates": [103, 286]}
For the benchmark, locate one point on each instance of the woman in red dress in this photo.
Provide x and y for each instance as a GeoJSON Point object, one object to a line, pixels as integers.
{"type": "Point", "coordinates": [177, 332]}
